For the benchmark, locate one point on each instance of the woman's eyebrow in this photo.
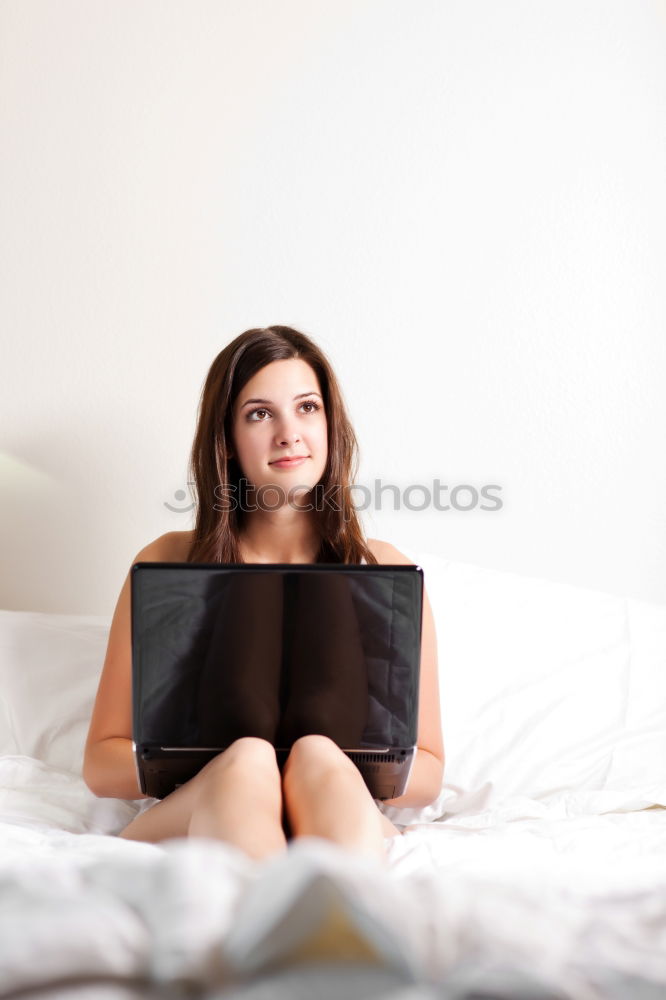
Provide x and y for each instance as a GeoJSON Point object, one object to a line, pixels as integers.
{"type": "Point", "coordinates": [267, 402]}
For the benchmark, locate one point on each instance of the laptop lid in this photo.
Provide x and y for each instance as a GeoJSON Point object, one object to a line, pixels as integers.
{"type": "Point", "coordinates": [222, 651]}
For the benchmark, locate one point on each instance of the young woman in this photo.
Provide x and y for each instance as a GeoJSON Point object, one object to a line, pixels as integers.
{"type": "Point", "coordinates": [272, 430]}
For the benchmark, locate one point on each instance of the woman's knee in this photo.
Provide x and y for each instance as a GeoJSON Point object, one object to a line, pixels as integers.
{"type": "Point", "coordinates": [314, 755]}
{"type": "Point", "coordinates": [314, 745]}
{"type": "Point", "coordinates": [248, 760]}
{"type": "Point", "coordinates": [248, 752]}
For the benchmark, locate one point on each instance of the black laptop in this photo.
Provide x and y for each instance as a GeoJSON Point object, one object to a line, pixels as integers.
{"type": "Point", "coordinates": [222, 651]}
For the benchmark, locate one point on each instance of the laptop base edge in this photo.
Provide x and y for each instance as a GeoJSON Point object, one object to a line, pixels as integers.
{"type": "Point", "coordinates": [162, 770]}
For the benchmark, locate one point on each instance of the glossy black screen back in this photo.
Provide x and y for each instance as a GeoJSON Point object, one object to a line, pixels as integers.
{"type": "Point", "coordinates": [275, 651]}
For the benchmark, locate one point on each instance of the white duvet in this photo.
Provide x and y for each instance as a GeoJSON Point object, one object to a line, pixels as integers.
{"type": "Point", "coordinates": [557, 898]}
{"type": "Point", "coordinates": [540, 872]}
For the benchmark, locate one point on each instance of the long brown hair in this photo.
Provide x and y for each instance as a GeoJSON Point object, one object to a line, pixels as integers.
{"type": "Point", "coordinates": [215, 474]}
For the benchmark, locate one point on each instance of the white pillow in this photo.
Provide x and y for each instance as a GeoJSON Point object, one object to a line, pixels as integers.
{"type": "Point", "coordinates": [639, 754]}
{"type": "Point", "coordinates": [544, 688]}
{"type": "Point", "coordinates": [49, 669]}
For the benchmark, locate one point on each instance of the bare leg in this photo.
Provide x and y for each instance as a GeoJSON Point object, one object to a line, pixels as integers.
{"type": "Point", "coordinates": [236, 797]}
{"type": "Point", "coordinates": [388, 828]}
{"type": "Point", "coordinates": [325, 796]}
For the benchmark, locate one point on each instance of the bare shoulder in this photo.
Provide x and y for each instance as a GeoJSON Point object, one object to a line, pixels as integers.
{"type": "Point", "coordinates": [387, 554]}
{"type": "Point", "coordinates": [174, 546]}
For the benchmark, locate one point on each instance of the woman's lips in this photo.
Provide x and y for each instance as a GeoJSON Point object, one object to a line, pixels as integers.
{"type": "Point", "coordinates": [288, 463]}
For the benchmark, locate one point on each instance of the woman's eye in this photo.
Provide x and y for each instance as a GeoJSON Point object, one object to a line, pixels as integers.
{"type": "Point", "coordinates": [261, 414]}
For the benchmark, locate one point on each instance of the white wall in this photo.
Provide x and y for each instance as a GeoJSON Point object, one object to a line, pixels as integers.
{"type": "Point", "coordinates": [464, 203]}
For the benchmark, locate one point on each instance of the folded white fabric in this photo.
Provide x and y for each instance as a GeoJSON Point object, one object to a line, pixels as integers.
{"type": "Point", "coordinates": [32, 791]}
{"type": "Point", "coordinates": [200, 914]}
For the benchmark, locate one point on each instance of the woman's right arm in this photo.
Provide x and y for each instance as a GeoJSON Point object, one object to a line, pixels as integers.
{"type": "Point", "coordinates": [108, 762]}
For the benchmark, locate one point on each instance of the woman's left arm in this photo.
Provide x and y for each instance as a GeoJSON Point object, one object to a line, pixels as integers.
{"type": "Point", "coordinates": [425, 780]}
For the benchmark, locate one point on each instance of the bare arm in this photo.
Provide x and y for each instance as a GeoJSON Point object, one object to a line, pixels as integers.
{"type": "Point", "coordinates": [108, 763]}
{"type": "Point", "coordinates": [425, 780]}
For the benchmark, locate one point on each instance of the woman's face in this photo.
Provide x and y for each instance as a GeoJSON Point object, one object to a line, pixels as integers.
{"type": "Point", "coordinates": [279, 414]}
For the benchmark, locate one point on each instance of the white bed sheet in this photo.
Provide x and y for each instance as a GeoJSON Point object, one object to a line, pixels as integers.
{"type": "Point", "coordinates": [539, 872]}
{"type": "Point", "coordinates": [535, 899]}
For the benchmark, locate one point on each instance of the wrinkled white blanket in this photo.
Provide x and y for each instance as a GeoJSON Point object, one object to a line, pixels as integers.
{"type": "Point", "coordinates": [536, 899]}
{"type": "Point", "coordinates": [540, 874]}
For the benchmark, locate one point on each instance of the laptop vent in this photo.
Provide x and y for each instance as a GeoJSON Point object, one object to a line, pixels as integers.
{"type": "Point", "coordinates": [372, 758]}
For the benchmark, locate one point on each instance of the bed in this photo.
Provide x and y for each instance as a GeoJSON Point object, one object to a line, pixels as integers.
{"type": "Point", "coordinates": [539, 872]}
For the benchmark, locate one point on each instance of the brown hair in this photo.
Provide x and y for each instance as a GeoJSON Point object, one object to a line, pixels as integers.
{"type": "Point", "coordinates": [216, 474]}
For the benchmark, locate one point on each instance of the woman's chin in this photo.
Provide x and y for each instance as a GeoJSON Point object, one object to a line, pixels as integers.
{"type": "Point", "coordinates": [272, 496]}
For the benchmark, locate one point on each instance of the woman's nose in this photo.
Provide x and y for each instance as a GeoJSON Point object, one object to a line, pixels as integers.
{"type": "Point", "coordinates": [286, 434]}
{"type": "Point", "coordinates": [285, 438]}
